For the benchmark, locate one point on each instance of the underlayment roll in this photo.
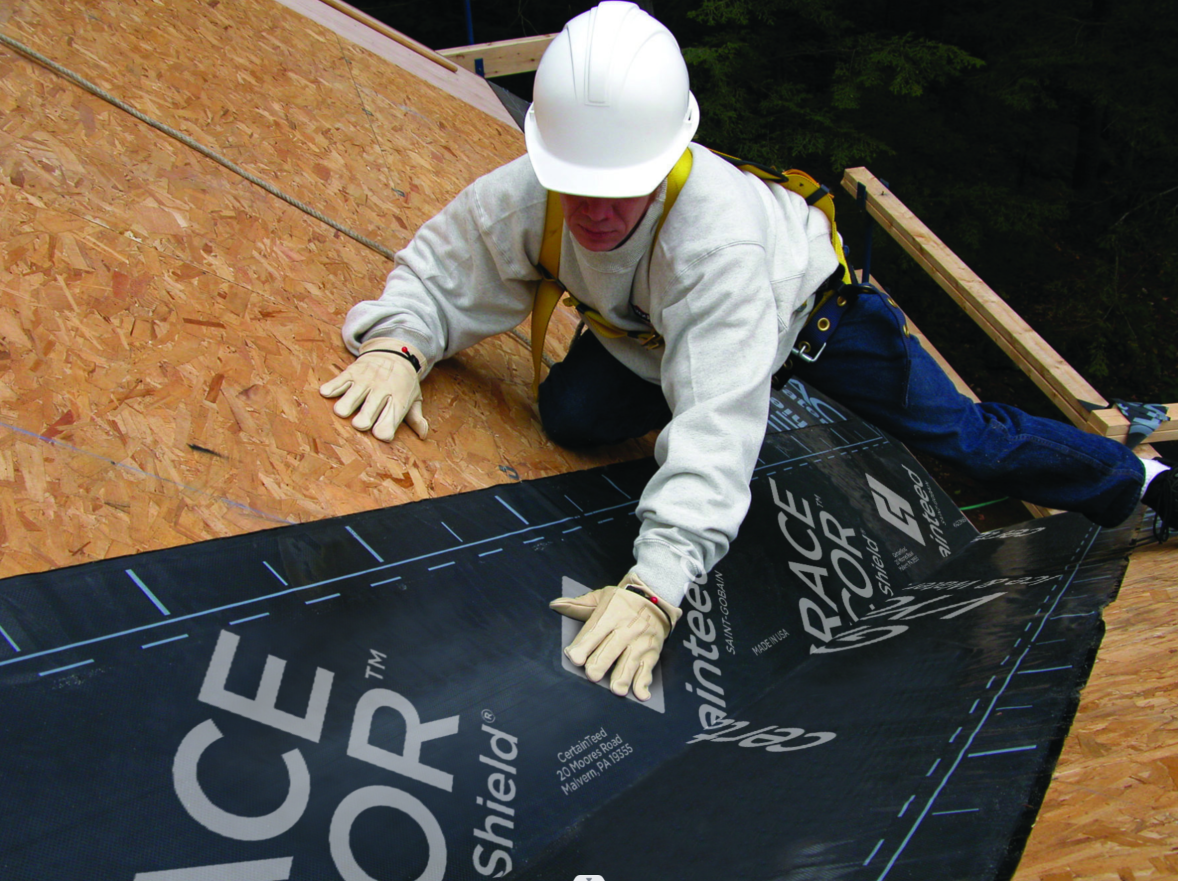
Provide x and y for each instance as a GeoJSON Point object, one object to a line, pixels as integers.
{"type": "Point", "coordinates": [865, 688]}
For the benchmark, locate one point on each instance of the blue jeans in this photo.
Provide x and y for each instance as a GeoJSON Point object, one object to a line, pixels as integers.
{"type": "Point", "coordinates": [882, 374]}
{"type": "Point", "coordinates": [591, 398]}
{"type": "Point", "coordinates": [885, 376]}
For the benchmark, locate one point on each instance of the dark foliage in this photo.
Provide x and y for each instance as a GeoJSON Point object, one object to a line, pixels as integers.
{"type": "Point", "coordinates": [1038, 138]}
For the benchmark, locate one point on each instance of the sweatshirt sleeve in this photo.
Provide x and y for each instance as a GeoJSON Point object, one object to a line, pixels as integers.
{"type": "Point", "coordinates": [468, 273]}
{"type": "Point", "coordinates": [721, 333]}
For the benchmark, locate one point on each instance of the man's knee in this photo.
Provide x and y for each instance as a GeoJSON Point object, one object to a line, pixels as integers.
{"type": "Point", "coordinates": [563, 421]}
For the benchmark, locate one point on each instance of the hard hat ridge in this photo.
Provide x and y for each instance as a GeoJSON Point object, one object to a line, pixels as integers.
{"type": "Point", "coordinates": [613, 110]}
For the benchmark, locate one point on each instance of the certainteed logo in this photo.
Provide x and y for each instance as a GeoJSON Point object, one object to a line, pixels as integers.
{"type": "Point", "coordinates": [895, 509]}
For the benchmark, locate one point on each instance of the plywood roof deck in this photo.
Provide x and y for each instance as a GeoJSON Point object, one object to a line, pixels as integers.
{"type": "Point", "coordinates": [1111, 812]}
{"type": "Point", "coordinates": [165, 325]}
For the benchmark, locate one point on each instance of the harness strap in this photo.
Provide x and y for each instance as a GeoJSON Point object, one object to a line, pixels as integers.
{"type": "Point", "coordinates": [675, 181]}
{"type": "Point", "coordinates": [820, 326]}
{"type": "Point", "coordinates": [824, 321]}
{"type": "Point", "coordinates": [549, 290]}
{"type": "Point", "coordinates": [815, 194]}
{"type": "Point", "coordinates": [649, 338]}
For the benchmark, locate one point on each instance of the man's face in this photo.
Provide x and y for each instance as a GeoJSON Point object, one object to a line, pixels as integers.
{"type": "Point", "coordinates": [603, 224]}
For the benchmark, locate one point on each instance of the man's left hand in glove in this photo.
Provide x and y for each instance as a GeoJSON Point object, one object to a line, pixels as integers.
{"type": "Point", "coordinates": [624, 623]}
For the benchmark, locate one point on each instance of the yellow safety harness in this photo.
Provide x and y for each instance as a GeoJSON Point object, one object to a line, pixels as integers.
{"type": "Point", "coordinates": [550, 289]}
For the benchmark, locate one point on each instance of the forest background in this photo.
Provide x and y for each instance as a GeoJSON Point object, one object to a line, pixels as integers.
{"type": "Point", "coordinates": [1037, 138]}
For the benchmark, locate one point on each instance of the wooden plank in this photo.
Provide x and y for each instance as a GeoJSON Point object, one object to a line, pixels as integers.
{"type": "Point", "coordinates": [1002, 324]}
{"type": "Point", "coordinates": [396, 36]}
{"type": "Point", "coordinates": [1054, 376]}
{"type": "Point", "coordinates": [1046, 368]}
{"type": "Point", "coordinates": [1111, 423]}
{"type": "Point", "coordinates": [501, 58]}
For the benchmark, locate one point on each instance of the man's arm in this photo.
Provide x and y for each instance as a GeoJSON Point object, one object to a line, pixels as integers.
{"type": "Point", "coordinates": [466, 275]}
{"type": "Point", "coordinates": [730, 318]}
{"type": "Point", "coordinates": [721, 338]}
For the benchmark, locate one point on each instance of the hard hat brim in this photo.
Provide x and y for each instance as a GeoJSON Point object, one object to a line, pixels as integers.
{"type": "Point", "coordinates": [626, 182]}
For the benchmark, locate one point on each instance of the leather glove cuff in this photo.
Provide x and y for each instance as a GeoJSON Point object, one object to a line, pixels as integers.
{"type": "Point", "coordinates": [636, 585]}
{"type": "Point", "coordinates": [408, 351]}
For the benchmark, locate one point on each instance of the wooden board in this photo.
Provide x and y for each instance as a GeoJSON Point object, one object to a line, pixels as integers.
{"type": "Point", "coordinates": [501, 58]}
{"type": "Point", "coordinates": [165, 325]}
{"type": "Point", "coordinates": [396, 36]}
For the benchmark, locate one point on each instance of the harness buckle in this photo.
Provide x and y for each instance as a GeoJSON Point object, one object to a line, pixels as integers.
{"type": "Point", "coordinates": [803, 352]}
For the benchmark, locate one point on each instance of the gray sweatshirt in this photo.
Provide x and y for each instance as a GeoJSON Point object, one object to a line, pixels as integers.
{"type": "Point", "coordinates": [728, 283]}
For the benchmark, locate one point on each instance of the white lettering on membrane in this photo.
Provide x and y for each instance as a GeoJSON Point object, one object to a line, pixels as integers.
{"type": "Point", "coordinates": [501, 786]}
{"type": "Point", "coordinates": [261, 708]}
{"type": "Point", "coordinates": [837, 613]}
{"type": "Point", "coordinates": [770, 737]}
{"type": "Point", "coordinates": [832, 571]}
{"type": "Point", "coordinates": [213, 818]}
{"type": "Point", "coordinates": [355, 803]}
{"type": "Point", "coordinates": [931, 511]}
{"type": "Point", "coordinates": [247, 870]}
{"type": "Point", "coordinates": [701, 644]}
{"type": "Point", "coordinates": [408, 764]}
{"type": "Point", "coordinates": [894, 508]}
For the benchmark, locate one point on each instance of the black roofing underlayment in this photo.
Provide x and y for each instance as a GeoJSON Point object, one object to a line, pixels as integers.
{"type": "Point", "coordinates": [888, 690]}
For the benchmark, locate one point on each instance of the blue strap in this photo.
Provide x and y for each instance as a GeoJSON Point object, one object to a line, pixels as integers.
{"type": "Point", "coordinates": [868, 236]}
{"type": "Point", "coordinates": [1144, 419]}
{"type": "Point", "coordinates": [865, 270]}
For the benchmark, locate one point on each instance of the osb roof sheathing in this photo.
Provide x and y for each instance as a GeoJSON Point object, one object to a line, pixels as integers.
{"type": "Point", "coordinates": [165, 324]}
{"type": "Point", "coordinates": [1111, 812]}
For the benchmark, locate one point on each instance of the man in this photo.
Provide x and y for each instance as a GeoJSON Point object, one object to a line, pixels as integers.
{"type": "Point", "coordinates": [726, 280]}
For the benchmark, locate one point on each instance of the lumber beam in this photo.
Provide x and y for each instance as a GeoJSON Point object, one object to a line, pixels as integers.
{"type": "Point", "coordinates": [396, 36]}
{"type": "Point", "coordinates": [1034, 356]}
{"type": "Point", "coordinates": [501, 58]}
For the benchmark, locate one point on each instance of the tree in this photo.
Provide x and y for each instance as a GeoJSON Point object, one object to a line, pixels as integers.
{"type": "Point", "coordinates": [1035, 136]}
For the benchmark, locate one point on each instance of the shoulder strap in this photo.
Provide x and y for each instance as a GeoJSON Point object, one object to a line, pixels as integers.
{"type": "Point", "coordinates": [675, 181]}
{"type": "Point", "coordinates": [548, 291]}
{"type": "Point", "coordinates": [809, 189]}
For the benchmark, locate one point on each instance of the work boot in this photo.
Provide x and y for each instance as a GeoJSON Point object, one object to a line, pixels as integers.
{"type": "Point", "coordinates": [1162, 496]}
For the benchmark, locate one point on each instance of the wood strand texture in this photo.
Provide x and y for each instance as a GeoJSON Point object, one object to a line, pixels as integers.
{"type": "Point", "coordinates": [165, 324]}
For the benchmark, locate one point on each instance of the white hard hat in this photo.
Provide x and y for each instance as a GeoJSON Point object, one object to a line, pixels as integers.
{"type": "Point", "coordinates": [612, 110]}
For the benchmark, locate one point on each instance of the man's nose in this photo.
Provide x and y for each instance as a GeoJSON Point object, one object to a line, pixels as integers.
{"type": "Point", "coordinates": [596, 209]}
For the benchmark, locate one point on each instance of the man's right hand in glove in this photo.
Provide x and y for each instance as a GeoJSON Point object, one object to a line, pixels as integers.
{"type": "Point", "coordinates": [625, 623]}
{"type": "Point", "coordinates": [382, 382]}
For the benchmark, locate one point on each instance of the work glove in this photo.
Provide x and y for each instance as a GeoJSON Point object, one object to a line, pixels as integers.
{"type": "Point", "coordinates": [383, 384]}
{"type": "Point", "coordinates": [625, 623]}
